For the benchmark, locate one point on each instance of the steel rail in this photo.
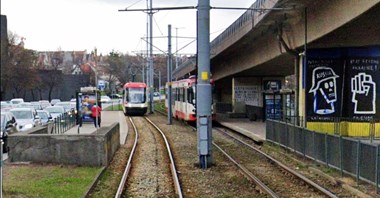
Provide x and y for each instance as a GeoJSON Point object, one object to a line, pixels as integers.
{"type": "Point", "coordinates": [249, 174]}
{"type": "Point", "coordinates": [283, 166]}
{"type": "Point", "coordinates": [173, 169]}
{"type": "Point", "coordinates": [129, 163]}
{"type": "Point", "coordinates": [246, 172]}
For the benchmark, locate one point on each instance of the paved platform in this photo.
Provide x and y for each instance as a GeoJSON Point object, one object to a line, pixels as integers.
{"type": "Point", "coordinates": [251, 129]}
{"type": "Point", "coordinates": [108, 117]}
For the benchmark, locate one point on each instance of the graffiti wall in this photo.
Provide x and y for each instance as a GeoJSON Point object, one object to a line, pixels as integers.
{"type": "Point", "coordinates": [343, 82]}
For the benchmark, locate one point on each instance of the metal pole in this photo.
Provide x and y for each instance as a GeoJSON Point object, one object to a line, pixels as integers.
{"type": "Point", "coordinates": [1, 166]}
{"type": "Point", "coordinates": [96, 100]}
{"type": "Point", "coordinates": [203, 103]}
{"type": "Point", "coordinates": [304, 68]}
{"type": "Point", "coordinates": [169, 94]}
{"type": "Point", "coordinates": [159, 80]}
{"type": "Point", "coordinates": [147, 45]}
{"type": "Point", "coordinates": [176, 48]}
{"type": "Point", "coordinates": [151, 110]}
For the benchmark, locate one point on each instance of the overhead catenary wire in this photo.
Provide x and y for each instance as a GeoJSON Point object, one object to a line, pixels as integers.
{"type": "Point", "coordinates": [159, 29]}
{"type": "Point", "coordinates": [133, 4]}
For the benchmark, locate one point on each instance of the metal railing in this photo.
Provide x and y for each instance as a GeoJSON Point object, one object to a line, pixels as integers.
{"type": "Point", "coordinates": [346, 127]}
{"type": "Point", "coordinates": [113, 105]}
{"type": "Point", "coordinates": [356, 157]}
{"type": "Point", "coordinates": [62, 123]}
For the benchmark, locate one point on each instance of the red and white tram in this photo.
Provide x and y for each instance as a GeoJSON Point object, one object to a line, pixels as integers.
{"type": "Point", "coordinates": [135, 98]}
{"type": "Point", "coordinates": [183, 99]}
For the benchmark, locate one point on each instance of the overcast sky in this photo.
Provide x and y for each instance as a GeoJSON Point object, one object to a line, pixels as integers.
{"type": "Point", "coordinates": [85, 24]}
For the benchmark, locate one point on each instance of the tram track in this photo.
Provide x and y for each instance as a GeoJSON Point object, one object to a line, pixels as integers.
{"type": "Point", "coordinates": [265, 169]}
{"type": "Point", "coordinates": [147, 172]}
{"type": "Point", "coordinates": [270, 176]}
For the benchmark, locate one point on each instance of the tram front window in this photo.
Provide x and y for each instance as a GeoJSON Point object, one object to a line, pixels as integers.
{"type": "Point", "coordinates": [136, 95]}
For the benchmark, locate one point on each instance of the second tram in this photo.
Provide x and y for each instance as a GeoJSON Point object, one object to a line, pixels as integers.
{"type": "Point", "coordinates": [184, 99]}
{"type": "Point", "coordinates": [134, 98]}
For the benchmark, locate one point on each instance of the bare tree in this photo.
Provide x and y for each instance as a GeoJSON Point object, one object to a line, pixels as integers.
{"type": "Point", "coordinates": [18, 74]}
{"type": "Point", "coordinates": [55, 75]}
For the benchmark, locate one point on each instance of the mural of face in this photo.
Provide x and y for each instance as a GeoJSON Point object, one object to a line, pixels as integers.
{"type": "Point", "coordinates": [328, 90]}
{"type": "Point", "coordinates": [324, 89]}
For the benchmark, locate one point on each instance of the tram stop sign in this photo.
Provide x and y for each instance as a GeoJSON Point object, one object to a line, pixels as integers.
{"type": "Point", "coordinates": [101, 84]}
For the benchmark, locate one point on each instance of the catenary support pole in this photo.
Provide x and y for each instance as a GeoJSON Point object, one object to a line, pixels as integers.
{"type": "Point", "coordinates": [203, 103]}
{"type": "Point", "coordinates": [147, 46]}
{"type": "Point", "coordinates": [151, 107]}
{"type": "Point", "coordinates": [170, 61]}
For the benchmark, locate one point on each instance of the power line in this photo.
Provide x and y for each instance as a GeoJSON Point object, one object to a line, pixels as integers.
{"type": "Point", "coordinates": [159, 29]}
{"type": "Point", "coordinates": [134, 3]}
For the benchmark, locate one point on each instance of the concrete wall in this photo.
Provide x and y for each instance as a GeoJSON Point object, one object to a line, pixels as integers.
{"type": "Point", "coordinates": [83, 149]}
{"type": "Point", "coordinates": [64, 91]}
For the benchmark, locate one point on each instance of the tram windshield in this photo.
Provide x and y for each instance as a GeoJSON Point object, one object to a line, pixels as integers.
{"type": "Point", "coordinates": [136, 95]}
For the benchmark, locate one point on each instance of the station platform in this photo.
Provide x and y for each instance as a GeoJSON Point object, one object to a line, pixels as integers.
{"type": "Point", "coordinates": [107, 118]}
{"type": "Point", "coordinates": [252, 129]}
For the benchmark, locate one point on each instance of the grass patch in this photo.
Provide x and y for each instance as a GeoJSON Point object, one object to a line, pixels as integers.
{"type": "Point", "coordinates": [47, 181]}
{"type": "Point", "coordinates": [160, 106]}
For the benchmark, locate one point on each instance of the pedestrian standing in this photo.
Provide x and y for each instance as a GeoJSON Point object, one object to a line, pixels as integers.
{"type": "Point", "coordinates": [95, 113]}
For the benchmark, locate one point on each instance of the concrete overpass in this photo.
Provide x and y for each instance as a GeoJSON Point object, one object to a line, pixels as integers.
{"type": "Point", "coordinates": [251, 46]}
{"type": "Point", "coordinates": [265, 46]}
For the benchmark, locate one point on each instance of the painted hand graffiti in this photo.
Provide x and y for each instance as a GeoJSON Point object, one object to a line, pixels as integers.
{"type": "Point", "coordinates": [363, 90]}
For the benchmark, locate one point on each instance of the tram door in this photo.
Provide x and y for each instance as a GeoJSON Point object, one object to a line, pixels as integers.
{"type": "Point", "coordinates": [273, 106]}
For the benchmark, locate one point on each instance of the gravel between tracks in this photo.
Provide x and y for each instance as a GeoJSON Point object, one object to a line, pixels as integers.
{"type": "Point", "coordinates": [221, 180]}
{"type": "Point", "coordinates": [150, 174]}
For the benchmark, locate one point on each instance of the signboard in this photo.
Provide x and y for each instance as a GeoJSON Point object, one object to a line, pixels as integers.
{"type": "Point", "coordinates": [343, 82]}
{"type": "Point", "coordinates": [248, 94]}
{"type": "Point", "coordinates": [101, 84]}
{"type": "Point", "coordinates": [323, 85]}
{"type": "Point", "coordinates": [362, 85]}
{"type": "Point", "coordinates": [272, 85]}
{"type": "Point", "coordinates": [85, 105]}
{"type": "Point", "coordinates": [86, 98]}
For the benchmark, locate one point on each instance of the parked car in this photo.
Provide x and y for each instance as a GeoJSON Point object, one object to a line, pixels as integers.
{"type": "Point", "coordinates": [44, 103]}
{"type": "Point", "coordinates": [66, 105]}
{"type": "Point", "coordinates": [5, 106]}
{"type": "Point", "coordinates": [53, 101]}
{"type": "Point", "coordinates": [37, 105]}
{"type": "Point", "coordinates": [26, 118]}
{"type": "Point", "coordinates": [55, 111]}
{"type": "Point", "coordinates": [8, 125]}
{"type": "Point", "coordinates": [26, 104]}
{"type": "Point", "coordinates": [16, 101]}
{"type": "Point", "coordinates": [44, 116]}
{"type": "Point", "coordinates": [156, 94]}
{"type": "Point", "coordinates": [105, 99]}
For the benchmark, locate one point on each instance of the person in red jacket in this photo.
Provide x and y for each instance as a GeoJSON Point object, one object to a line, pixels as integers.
{"type": "Point", "coordinates": [95, 113]}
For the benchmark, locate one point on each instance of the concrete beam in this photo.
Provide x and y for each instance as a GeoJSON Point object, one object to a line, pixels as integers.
{"type": "Point", "coordinates": [335, 23]}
